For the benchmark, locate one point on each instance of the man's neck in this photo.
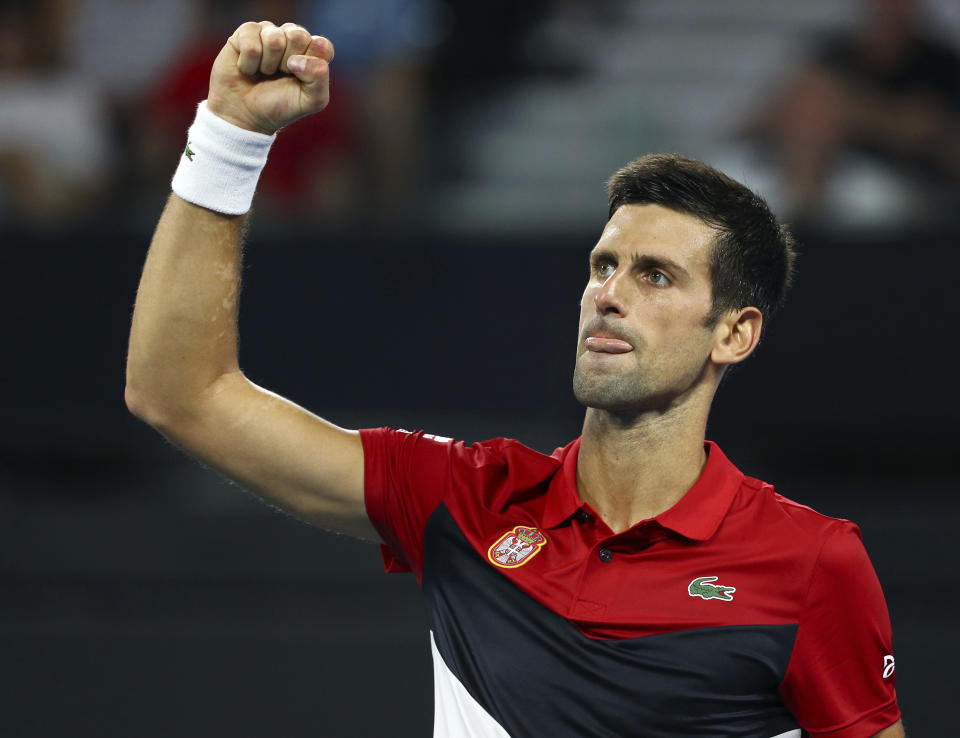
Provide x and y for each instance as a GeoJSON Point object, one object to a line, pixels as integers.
{"type": "Point", "coordinates": [632, 468]}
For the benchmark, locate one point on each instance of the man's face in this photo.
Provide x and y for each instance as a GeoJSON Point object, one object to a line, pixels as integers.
{"type": "Point", "coordinates": [643, 342]}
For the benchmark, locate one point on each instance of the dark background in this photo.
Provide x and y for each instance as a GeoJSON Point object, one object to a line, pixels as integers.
{"type": "Point", "coordinates": [141, 594]}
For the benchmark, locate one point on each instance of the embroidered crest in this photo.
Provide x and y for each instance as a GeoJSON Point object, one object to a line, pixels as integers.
{"type": "Point", "coordinates": [516, 547]}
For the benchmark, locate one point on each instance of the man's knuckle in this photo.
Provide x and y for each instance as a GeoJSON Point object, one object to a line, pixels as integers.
{"type": "Point", "coordinates": [299, 36]}
{"type": "Point", "coordinates": [319, 47]}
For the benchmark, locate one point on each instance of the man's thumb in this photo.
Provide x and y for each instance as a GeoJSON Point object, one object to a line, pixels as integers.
{"type": "Point", "coordinates": [314, 74]}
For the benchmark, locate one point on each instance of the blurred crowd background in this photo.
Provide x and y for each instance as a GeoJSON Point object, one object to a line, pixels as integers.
{"type": "Point", "coordinates": [495, 116]}
{"type": "Point", "coordinates": [442, 207]}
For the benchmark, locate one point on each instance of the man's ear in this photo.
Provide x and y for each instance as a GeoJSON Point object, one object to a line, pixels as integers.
{"type": "Point", "coordinates": [736, 335]}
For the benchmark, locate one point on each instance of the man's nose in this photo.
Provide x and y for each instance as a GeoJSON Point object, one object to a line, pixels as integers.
{"type": "Point", "coordinates": [609, 297]}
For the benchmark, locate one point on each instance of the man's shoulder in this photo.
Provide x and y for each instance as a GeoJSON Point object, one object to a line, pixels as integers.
{"type": "Point", "coordinates": [504, 452]}
{"type": "Point", "coordinates": [804, 524]}
{"type": "Point", "coordinates": [508, 446]}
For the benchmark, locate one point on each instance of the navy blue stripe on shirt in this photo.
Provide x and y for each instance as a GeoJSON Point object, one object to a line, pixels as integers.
{"type": "Point", "coordinates": [537, 674]}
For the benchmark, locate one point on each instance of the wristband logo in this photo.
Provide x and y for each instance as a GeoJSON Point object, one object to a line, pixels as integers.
{"type": "Point", "coordinates": [516, 547]}
{"type": "Point", "coordinates": [188, 152]}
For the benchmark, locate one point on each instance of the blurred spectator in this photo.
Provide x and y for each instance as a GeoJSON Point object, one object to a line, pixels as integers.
{"type": "Point", "coordinates": [311, 170]}
{"type": "Point", "coordinates": [122, 44]}
{"type": "Point", "coordinates": [383, 49]}
{"type": "Point", "coordinates": [871, 125]}
{"type": "Point", "coordinates": [363, 153]}
{"type": "Point", "coordinates": [54, 147]}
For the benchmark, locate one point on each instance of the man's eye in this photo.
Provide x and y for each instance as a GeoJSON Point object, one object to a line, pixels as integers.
{"type": "Point", "coordinates": [604, 269]}
{"type": "Point", "coordinates": [658, 278]}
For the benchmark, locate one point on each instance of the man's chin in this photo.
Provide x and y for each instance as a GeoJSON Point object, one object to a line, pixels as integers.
{"type": "Point", "coordinates": [614, 408]}
{"type": "Point", "coordinates": [615, 396]}
{"type": "Point", "coordinates": [603, 398]}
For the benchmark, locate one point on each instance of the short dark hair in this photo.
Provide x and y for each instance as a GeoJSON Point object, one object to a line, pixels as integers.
{"type": "Point", "coordinates": [753, 255]}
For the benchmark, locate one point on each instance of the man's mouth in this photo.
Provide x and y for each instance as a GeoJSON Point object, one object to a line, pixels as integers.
{"type": "Point", "coordinates": [604, 345]}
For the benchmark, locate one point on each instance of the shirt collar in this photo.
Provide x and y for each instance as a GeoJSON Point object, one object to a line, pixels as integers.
{"type": "Point", "coordinates": [562, 498]}
{"type": "Point", "coordinates": [696, 515]}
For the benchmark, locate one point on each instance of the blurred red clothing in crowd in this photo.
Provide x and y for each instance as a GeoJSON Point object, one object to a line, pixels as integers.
{"type": "Point", "coordinates": [300, 160]}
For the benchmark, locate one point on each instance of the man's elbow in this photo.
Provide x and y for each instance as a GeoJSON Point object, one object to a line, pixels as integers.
{"type": "Point", "coordinates": [138, 404]}
{"type": "Point", "coordinates": [151, 408]}
{"type": "Point", "coordinates": [165, 406]}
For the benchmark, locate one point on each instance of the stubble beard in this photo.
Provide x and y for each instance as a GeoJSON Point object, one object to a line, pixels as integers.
{"type": "Point", "coordinates": [614, 392]}
{"type": "Point", "coordinates": [636, 389]}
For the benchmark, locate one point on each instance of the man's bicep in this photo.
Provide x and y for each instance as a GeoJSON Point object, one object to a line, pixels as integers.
{"type": "Point", "coordinates": [894, 731]}
{"type": "Point", "coordinates": [277, 449]}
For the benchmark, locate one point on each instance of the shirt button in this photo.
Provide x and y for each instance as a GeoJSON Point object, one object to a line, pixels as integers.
{"type": "Point", "coordinates": [584, 517]}
{"type": "Point", "coordinates": [605, 554]}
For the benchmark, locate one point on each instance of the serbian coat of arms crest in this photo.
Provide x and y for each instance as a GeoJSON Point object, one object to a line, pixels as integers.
{"type": "Point", "coordinates": [516, 547]}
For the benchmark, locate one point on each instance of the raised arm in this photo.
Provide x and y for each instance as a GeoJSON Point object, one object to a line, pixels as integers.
{"type": "Point", "coordinates": [183, 375]}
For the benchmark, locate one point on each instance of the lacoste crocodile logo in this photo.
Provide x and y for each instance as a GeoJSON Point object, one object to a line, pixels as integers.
{"type": "Point", "coordinates": [188, 152]}
{"type": "Point", "coordinates": [701, 587]}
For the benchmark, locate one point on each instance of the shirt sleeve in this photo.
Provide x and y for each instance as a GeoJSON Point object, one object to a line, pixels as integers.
{"type": "Point", "coordinates": [841, 682]}
{"type": "Point", "coordinates": [406, 476]}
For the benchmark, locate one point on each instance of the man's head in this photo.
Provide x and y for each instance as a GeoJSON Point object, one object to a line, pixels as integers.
{"type": "Point", "coordinates": [752, 259]}
{"type": "Point", "coordinates": [686, 270]}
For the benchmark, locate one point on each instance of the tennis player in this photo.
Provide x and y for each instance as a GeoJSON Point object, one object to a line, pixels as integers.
{"type": "Point", "coordinates": [632, 583]}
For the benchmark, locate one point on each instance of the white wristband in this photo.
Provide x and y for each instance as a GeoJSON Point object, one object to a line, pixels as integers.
{"type": "Point", "coordinates": [220, 167]}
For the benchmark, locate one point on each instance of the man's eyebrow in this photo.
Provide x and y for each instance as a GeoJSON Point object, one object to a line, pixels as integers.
{"type": "Point", "coordinates": [646, 261]}
{"type": "Point", "coordinates": [641, 261]}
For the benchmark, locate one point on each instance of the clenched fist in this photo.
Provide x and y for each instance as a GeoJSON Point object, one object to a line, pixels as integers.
{"type": "Point", "coordinates": [266, 77]}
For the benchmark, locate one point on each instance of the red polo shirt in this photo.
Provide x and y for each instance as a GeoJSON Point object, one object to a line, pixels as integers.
{"type": "Point", "coordinates": [757, 613]}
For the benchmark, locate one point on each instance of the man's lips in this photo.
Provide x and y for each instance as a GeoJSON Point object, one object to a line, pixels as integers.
{"type": "Point", "coordinates": [605, 345]}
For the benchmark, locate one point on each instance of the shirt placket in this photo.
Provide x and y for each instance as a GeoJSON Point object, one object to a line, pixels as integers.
{"type": "Point", "coordinates": [603, 569]}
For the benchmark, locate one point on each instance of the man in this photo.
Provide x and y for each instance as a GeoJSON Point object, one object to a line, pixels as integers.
{"type": "Point", "coordinates": [634, 582]}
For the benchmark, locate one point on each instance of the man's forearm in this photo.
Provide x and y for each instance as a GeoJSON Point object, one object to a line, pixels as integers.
{"type": "Point", "coordinates": [184, 332]}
